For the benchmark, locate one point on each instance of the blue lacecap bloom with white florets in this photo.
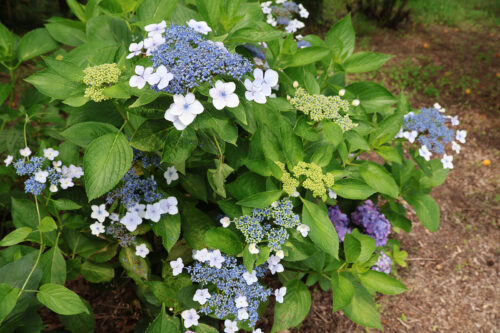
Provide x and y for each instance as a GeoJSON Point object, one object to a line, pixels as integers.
{"type": "Point", "coordinates": [230, 293]}
{"type": "Point", "coordinates": [269, 224]}
{"type": "Point", "coordinates": [340, 222]}
{"type": "Point", "coordinates": [372, 222]}
{"type": "Point", "coordinates": [194, 60]}
{"type": "Point", "coordinates": [383, 263]}
{"type": "Point", "coordinates": [134, 188]}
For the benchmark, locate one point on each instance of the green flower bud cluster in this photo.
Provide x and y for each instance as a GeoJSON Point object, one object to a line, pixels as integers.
{"type": "Point", "coordinates": [312, 178]}
{"type": "Point", "coordinates": [319, 107]}
{"type": "Point", "coordinates": [97, 78]}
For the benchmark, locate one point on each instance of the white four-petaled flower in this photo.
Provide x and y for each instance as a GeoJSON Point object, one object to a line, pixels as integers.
{"type": "Point", "coordinates": [41, 176]}
{"type": "Point", "coordinates": [461, 136]}
{"type": "Point", "coordinates": [303, 229]}
{"type": "Point", "coordinates": [141, 78]}
{"type": "Point", "coordinates": [242, 314]}
{"type": "Point", "coordinates": [183, 111]}
{"type": "Point", "coordinates": [25, 152]}
{"type": "Point", "coordinates": [201, 255]}
{"type": "Point", "coordinates": [161, 77]}
{"type": "Point", "coordinates": [223, 95]}
{"type": "Point", "coordinates": [131, 220]}
{"type": "Point", "coordinates": [97, 228]}
{"type": "Point", "coordinates": [331, 194]}
{"type": "Point", "coordinates": [225, 221]}
{"type": "Point", "coordinates": [199, 26]}
{"type": "Point", "coordinates": [99, 212]}
{"type": "Point", "coordinates": [410, 135]}
{"type": "Point", "coordinates": [154, 29]}
{"type": "Point", "coordinates": [135, 49]}
{"type": "Point", "coordinates": [169, 206]}
{"type": "Point", "coordinates": [241, 302]}
{"type": "Point", "coordinates": [153, 212]}
{"type": "Point", "coordinates": [216, 259]}
{"type": "Point", "coordinates": [171, 175]}
{"type": "Point", "coordinates": [280, 293]}
{"type": "Point", "coordinates": [50, 153]}
{"type": "Point", "coordinates": [66, 182]}
{"type": "Point", "coordinates": [447, 161]}
{"type": "Point", "coordinates": [141, 250]}
{"type": "Point", "coordinates": [230, 326]}
{"type": "Point", "coordinates": [8, 160]}
{"type": "Point", "coordinates": [201, 296]}
{"type": "Point", "coordinates": [177, 266]}
{"type": "Point", "coordinates": [274, 264]}
{"type": "Point", "coordinates": [425, 153]}
{"type": "Point", "coordinates": [456, 147]}
{"type": "Point", "coordinates": [253, 249]}
{"type": "Point", "coordinates": [190, 317]}
{"type": "Point", "coordinates": [153, 42]}
{"type": "Point", "coordinates": [139, 209]}
{"type": "Point", "coordinates": [250, 278]}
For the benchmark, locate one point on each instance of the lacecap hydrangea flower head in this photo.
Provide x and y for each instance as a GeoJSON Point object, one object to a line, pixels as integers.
{"type": "Point", "coordinates": [433, 130]}
{"type": "Point", "coordinates": [99, 77]}
{"type": "Point", "coordinates": [319, 107]}
{"type": "Point", "coordinates": [44, 171]}
{"type": "Point", "coordinates": [282, 13]}
{"type": "Point", "coordinates": [372, 222]}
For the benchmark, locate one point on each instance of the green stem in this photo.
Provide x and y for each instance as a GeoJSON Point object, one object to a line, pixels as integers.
{"type": "Point", "coordinates": [40, 250]}
{"type": "Point", "coordinates": [26, 120]}
{"type": "Point", "coordinates": [124, 116]}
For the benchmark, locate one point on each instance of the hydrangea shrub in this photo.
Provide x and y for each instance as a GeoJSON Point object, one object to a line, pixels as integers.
{"type": "Point", "coordinates": [157, 146]}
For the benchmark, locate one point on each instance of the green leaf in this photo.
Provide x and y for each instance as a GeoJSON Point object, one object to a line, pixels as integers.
{"type": "Point", "coordinates": [162, 323]}
{"type": "Point", "coordinates": [195, 185]}
{"type": "Point", "coordinates": [210, 11]}
{"type": "Point", "coordinates": [351, 188]}
{"type": "Point", "coordinates": [7, 42]}
{"type": "Point", "coordinates": [305, 56]}
{"type": "Point", "coordinates": [387, 130]}
{"type": "Point", "coordinates": [53, 85]}
{"type": "Point", "coordinates": [362, 309]}
{"type": "Point", "coordinates": [136, 267]}
{"type": "Point", "coordinates": [108, 28]}
{"type": "Point", "coordinates": [82, 134]}
{"type": "Point", "coordinates": [150, 135]}
{"type": "Point", "coordinates": [365, 62]}
{"type": "Point", "coordinates": [322, 232]}
{"type": "Point", "coordinates": [217, 177]}
{"type": "Point", "coordinates": [15, 237]}
{"type": "Point", "coordinates": [155, 10]}
{"type": "Point", "coordinates": [66, 34]}
{"type": "Point", "coordinates": [426, 208]}
{"type": "Point", "coordinates": [382, 283]}
{"type": "Point", "coordinates": [379, 179]}
{"type": "Point", "coordinates": [179, 145]}
{"type": "Point", "coordinates": [250, 35]}
{"type": "Point", "coordinates": [341, 38]}
{"type": "Point", "coordinates": [342, 291]}
{"type": "Point", "coordinates": [195, 224]}
{"type": "Point", "coordinates": [295, 306]}
{"type": "Point", "coordinates": [53, 266]}
{"type": "Point", "coordinates": [79, 323]}
{"type": "Point", "coordinates": [47, 224]}
{"type": "Point", "coordinates": [356, 141]}
{"type": "Point", "coordinates": [225, 240]}
{"type": "Point", "coordinates": [169, 229]}
{"type": "Point", "coordinates": [77, 9]}
{"type": "Point", "coordinates": [333, 133]}
{"type": "Point", "coordinates": [60, 299]}
{"type": "Point", "coordinates": [4, 92]}
{"type": "Point", "coordinates": [367, 244]}
{"type": "Point", "coordinates": [65, 69]}
{"type": "Point", "coordinates": [203, 328]}
{"type": "Point", "coordinates": [352, 248]}
{"type": "Point", "coordinates": [65, 204]}
{"type": "Point", "coordinates": [105, 162]}
{"type": "Point", "coordinates": [97, 273]}
{"type": "Point", "coordinates": [8, 299]}
{"type": "Point", "coordinates": [372, 96]}
{"type": "Point", "coordinates": [261, 200]}
{"type": "Point", "coordinates": [35, 43]}
{"type": "Point", "coordinates": [389, 153]}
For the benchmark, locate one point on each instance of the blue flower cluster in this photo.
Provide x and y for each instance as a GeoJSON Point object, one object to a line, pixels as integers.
{"type": "Point", "coordinates": [383, 263]}
{"type": "Point", "coordinates": [432, 129]}
{"type": "Point", "coordinates": [134, 188]}
{"type": "Point", "coordinates": [230, 284]}
{"type": "Point", "coordinates": [193, 60]}
{"type": "Point", "coordinates": [372, 222]}
{"type": "Point", "coordinates": [340, 221]}
{"type": "Point", "coordinates": [280, 216]}
{"type": "Point", "coordinates": [120, 233]}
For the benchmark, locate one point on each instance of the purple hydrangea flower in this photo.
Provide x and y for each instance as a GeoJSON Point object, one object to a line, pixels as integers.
{"type": "Point", "coordinates": [383, 263]}
{"type": "Point", "coordinates": [372, 222]}
{"type": "Point", "coordinates": [340, 222]}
